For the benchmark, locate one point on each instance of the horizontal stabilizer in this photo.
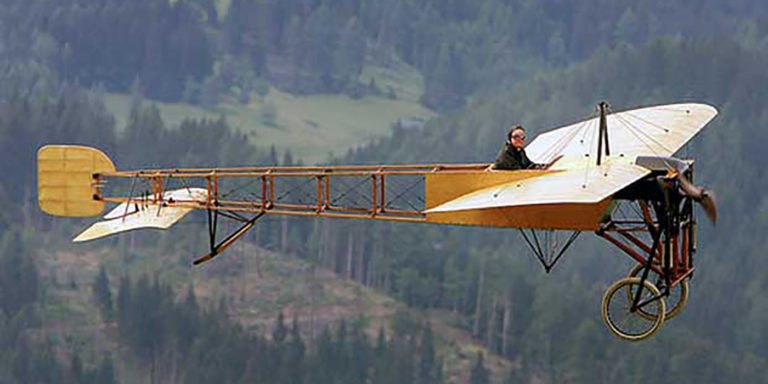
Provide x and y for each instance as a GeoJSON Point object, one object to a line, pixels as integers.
{"type": "Point", "coordinates": [140, 214]}
{"type": "Point", "coordinates": [183, 195]}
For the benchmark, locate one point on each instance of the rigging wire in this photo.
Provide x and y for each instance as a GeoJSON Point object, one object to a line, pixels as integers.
{"type": "Point", "coordinates": [555, 149]}
{"type": "Point", "coordinates": [561, 143]}
{"type": "Point", "coordinates": [398, 196]}
{"type": "Point", "coordinates": [351, 189]}
{"type": "Point", "coordinates": [650, 138]}
{"type": "Point", "coordinates": [635, 131]}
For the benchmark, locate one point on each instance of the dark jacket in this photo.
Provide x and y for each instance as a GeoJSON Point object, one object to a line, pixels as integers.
{"type": "Point", "coordinates": [510, 159]}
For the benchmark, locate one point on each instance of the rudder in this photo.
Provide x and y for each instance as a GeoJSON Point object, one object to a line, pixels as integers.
{"type": "Point", "coordinates": [65, 180]}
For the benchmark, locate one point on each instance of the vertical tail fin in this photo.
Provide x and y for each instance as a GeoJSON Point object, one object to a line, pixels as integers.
{"type": "Point", "coordinates": [65, 180]}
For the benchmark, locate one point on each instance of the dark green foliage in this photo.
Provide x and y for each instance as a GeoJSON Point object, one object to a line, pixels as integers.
{"type": "Point", "coordinates": [77, 368]}
{"type": "Point", "coordinates": [429, 371]}
{"type": "Point", "coordinates": [173, 338]}
{"type": "Point", "coordinates": [203, 143]}
{"type": "Point", "coordinates": [515, 376]}
{"type": "Point", "coordinates": [281, 331]}
{"type": "Point", "coordinates": [479, 373]}
{"type": "Point", "coordinates": [25, 358]}
{"type": "Point", "coordinates": [446, 84]}
{"type": "Point", "coordinates": [320, 46]}
{"type": "Point", "coordinates": [103, 294]}
{"type": "Point", "coordinates": [19, 280]}
{"type": "Point", "coordinates": [292, 369]}
{"type": "Point", "coordinates": [66, 115]}
{"type": "Point", "coordinates": [163, 44]}
{"type": "Point", "coordinates": [104, 373]}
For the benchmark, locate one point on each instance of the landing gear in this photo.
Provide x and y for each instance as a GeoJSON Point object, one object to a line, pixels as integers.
{"type": "Point", "coordinates": [675, 301]}
{"type": "Point", "coordinates": [213, 219]}
{"type": "Point", "coordinates": [659, 234]}
{"type": "Point", "coordinates": [633, 309]}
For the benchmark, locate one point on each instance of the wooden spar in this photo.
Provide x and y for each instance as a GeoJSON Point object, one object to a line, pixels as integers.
{"type": "Point", "coordinates": [298, 169]}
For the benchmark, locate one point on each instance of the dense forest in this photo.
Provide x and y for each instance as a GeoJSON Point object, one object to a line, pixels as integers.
{"type": "Point", "coordinates": [180, 342]}
{"type": "Point", "coordinates": [485, 64]}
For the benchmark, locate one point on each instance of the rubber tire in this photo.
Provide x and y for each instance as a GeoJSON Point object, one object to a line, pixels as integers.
{"type": "Point", "coordinates": [621, 287]}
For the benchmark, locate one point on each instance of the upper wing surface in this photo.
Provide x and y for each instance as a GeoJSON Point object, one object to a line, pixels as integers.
{"type": "Point", "coordinates": [654, 131]}
{"type": "Point", "coordinates": [658, 131]}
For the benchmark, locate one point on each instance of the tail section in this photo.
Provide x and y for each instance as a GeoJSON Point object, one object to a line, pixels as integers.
{"type": "Point", "coordinates": [139, 214]}
{"type": "Point", "coordinates": [65, 180]}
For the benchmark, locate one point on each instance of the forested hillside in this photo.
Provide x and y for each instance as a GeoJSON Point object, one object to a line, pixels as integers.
{"type": "Point", "coordinates": [485, 65]}
{"type": "Point", "coordinates": [186, 50]}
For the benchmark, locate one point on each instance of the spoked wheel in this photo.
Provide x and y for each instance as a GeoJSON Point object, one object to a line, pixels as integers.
{"type": "Point", "coordinates": [678, 297]}
{"type": "Point", "coordinates": [622, 320]}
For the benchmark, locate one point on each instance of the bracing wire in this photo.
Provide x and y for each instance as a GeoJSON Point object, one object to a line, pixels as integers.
{"type": "Point", "coordinates": [650, 138]}
{"type": "Point", "coordinates": [635, 131]}
{"type": "Point", "coordinates": [405, 191]}
{"type": "Point", "coordinates": [557, 147]}
{"type": "Point", "coordinates": [350, 190]}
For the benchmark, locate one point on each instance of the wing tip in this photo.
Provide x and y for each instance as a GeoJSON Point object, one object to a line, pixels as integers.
{"type": "Point", "coordinates": [704, 107]}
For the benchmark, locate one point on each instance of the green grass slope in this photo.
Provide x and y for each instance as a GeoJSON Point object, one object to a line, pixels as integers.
{"type": "Point", "coordinates": [312, 127]}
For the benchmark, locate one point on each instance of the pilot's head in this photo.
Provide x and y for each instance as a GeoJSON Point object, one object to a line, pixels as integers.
{"type": "Point", "coordinates": [516, 136]}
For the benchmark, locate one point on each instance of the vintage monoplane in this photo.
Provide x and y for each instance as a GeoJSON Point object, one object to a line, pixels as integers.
{"type": "Point", "coordinates": [615, 176]}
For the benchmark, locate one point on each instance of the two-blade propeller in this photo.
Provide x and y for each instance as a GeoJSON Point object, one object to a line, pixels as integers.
{"type": "Point", "coordinates": [701, 195]}
{"type": "Point", "coordinates": [677, 169]}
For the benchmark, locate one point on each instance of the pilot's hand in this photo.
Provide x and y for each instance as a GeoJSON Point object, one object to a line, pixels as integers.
{"type": "Point", "coordinates": [551, 163]}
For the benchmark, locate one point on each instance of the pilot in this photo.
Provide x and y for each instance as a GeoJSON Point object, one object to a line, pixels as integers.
{"type": "Point", "coordinates": [512, 156]}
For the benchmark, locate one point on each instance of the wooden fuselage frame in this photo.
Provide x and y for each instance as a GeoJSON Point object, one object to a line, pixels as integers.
{"type": "Point", "coordinates": [440, 183]}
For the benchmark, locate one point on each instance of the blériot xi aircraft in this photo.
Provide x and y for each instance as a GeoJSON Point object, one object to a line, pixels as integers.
{"type": "Point", "coordinates": [615, 175]}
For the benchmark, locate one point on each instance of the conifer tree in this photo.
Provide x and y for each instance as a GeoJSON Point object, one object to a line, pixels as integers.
{"type": "Point", "coordinates": [280, 331]}
{"type": "Point", "coordinates": [428, 368]}
{"type": "Point", "coordinates": [76, 366]}
{"type": "Point", "coordinates": [103, 294]}
{"type": "Point", "coordinates": [105, 372]}
{"type": "Point", "coordinates": [325, 367]}
{"type": "Point", "coordinates": [479, 373]}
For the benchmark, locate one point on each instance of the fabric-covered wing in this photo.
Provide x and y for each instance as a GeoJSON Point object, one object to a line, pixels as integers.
{"type": "Point", "coordinates": [654, 131]}
{"type": "Point", "coordinates": [576, 185]}
{"type": "Point", "coordinates": [138, 215]}
{"type": "Point", "coordinates": [658, 131]}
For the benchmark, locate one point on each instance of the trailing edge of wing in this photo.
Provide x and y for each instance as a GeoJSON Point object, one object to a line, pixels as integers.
{"type": "Point", "coordinates": [580, 185]}
{"type": "Point", "coordinates": [138, 215]}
